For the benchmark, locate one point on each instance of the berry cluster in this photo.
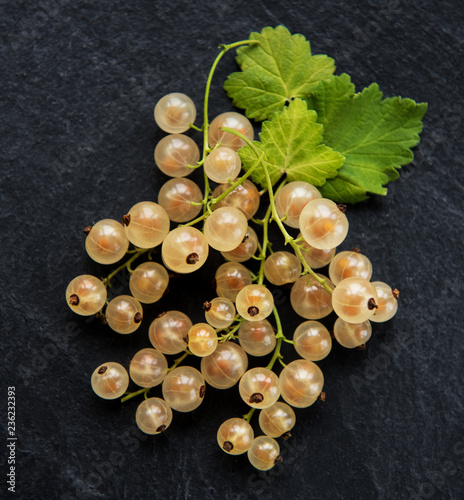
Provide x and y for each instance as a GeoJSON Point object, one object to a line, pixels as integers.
{"type": "Point", "coordinates": [243, 302]}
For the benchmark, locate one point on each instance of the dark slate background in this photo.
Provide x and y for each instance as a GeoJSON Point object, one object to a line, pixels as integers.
{"type": "Point", "coordinates": [79, 83]}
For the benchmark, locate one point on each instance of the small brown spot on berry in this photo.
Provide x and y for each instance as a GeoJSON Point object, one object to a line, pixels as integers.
{"type": "Point", "coordinates": [192, 258]}
{"type": "Point", "coordinates": [253, 311]}
{"type": "Point", "coordinates": [257, 397]}
{"type": "Point", "coordinates": [126, 220]}
{"type": "Point", "coordinates": [202, 391]}
{"type": "Point", "coordinates": [371, 304]}
{"type": "Point", "coordinates": [137, 317]}
{"type": "Point", "coordinates": [102, 370]}
{"type": "Point", "coordinates": [161, 428]}
{"type": "Point", "coordinates": [74, 300]}
{"type": "Point", "coordinates": [227, 446]}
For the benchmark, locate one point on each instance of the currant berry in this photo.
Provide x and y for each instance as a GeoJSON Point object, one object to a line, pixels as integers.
{"type": "Point", "coordinates": [259, 387]}
{"type": "Point", "coordinates": [254, 302]}
{"type": "Point", "coordinates": [354, 300]}
{"type": "Point", "coordinates": [282, 267]}
{"type": "Point", "coordinates": [110, 380]}
{"type": "Point", "coordinates": [176, 197]}
{"type": "Point", "coordinates": [387, 303]}
{"type": "Point", "coordinates": [230, 278]}
{"type": "Point", "coordinates": [106, 243]}
{"type": "Point", "coordinates": [174, 113]}
{"type": "Point", "coordinates": [234, 121]}
{"type": "Point", "coordinates": [235, 436]}
{"type": "Point", "coordinates": [310, 299]}
{"type": "Point", "coordinates": [174, 153]}
{"type": "Point", "coordinates": [202, 339]}
{"type": "Point", "coordinates": [291, 200]}
{"type": "Point", "coordinates": [168, 332]}
{"type": "Point", "coordinates": [124, 314]}
{"type": "Point", "coordinates": [225, 228]}
{"type": "Point", "coordinates": [349, 265]}
{"type": "Point", "coordinates": [301, 383]}
{"type": "Point", "coordinates": [312, 340]}
{"type": "Point", "coordinates": [148, 368]}
{"type": "Point", "coordinates": [148, 282]}
{"type": "Point", "coordinates": [184, 388]}
{"type": "Point", "coordinates": [184, 250]}
{"type": "Point", "coordinates": [323, 224]}
{"type": "Point", "coordinates": [86, 295]}
{"type": "Point", "coordinates": [351, 335]}
{"type": "Point", "coordinates": [225, 366]}
{"type": "Point", "coordinates": [153, 416]}
{"type": "Point", "coordinates": [257, 337]}
{"type": "Point", "coordinates": [277, 420]}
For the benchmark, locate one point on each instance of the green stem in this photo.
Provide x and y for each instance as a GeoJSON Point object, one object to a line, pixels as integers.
{"type": "Point", "coordinates": [179, 360]}
{"type": "Point", "coordinates": [264, 245]}
{"type": "Point", "coordinates": [280, 336]}
{"type": "Point", "coordinates": [215, 201]}
{"type": "Point", "coordinates": [248, 416]}
{"type": "Point", "coordinates": [131, 395]}
{"type": "Point", "coordinates": [137, 254]}
{"type": "Point", "coordinates": [288, 239]}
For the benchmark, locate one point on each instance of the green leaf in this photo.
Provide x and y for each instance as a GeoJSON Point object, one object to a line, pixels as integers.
{"type": "Point", "coordinates": [275, 71]}
{"type": "Point", "coordinates": [291, 142]}
{"type": "Point", "coordinates": [375, 136]}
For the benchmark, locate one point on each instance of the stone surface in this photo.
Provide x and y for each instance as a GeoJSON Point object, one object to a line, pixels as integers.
{"type": "Point", "coordinates": [80, 80]}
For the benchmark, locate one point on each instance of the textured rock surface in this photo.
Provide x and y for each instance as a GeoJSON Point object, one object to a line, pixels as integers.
{"type": "Point", "coordinates": [80, 80]}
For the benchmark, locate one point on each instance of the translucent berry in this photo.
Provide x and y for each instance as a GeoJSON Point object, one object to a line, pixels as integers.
{"type": "Point", "coordinates": [312, 340]}
{"type": "Point", "coordinates": [232, 120]}
{"type": "Point", "coordinates": [245, 250]}
{"type": "Point", "coordinates": [110, 380]}
{"type": "Point", "coordinates": [225, 228]}
{"type": "Point", "coordinates": [301, 383]}
{"type": "Point", "coordinates": [259, 387]}
{"type": "Point", "coordinates": [174, 153]}
{"type": "Point", "coordinates": [106, 243]}
{"type": "Point", "coordinates": [276, 420]}
{"type": "Point", "coordinates": [202, 339]}
{"type": "Point", "coordinates": [153, 416]}
{"type": "Point", "coordinates": [223, 165]}
{"type": "Point", "coordinates": [148, 282]}
{"type": "Point", "coordinates": [282, 267]}
{"type": "Point", "coordinates": [235, 436]}
{"type": "Point", "coordinates": [257, 337]}
{"type": "Point", "coordinates": [355, 300]}
{"type": "Point", "coordinates": [291, 200]}
{"type": "Point", "coordinates": [231, 277]}
{"type": "Point", "coordinates": [245, 197]}
{"type": "Point", "coordinates": [86, 295]}
{"type": "Point", "coordinates": [387, 302]}
{"type": "Point", "coordinates": [349, 265]}
{"type": "Point", "coordinates": [254, 302]}
{"type": "Point", "coordinates": [176, 197]}
{"type": "Point", "coordinates": [310, 299]}
{"type": "Point", "coordinates": [184, 250]}
{"type": "Point", "coordinates": [263, 453]}
{"type": "Point", "coordinates": [220, 312]}
{"type": "Point", "coordinates": [146, 224]}
{"type": "Point", "coordinates": [184, 388]}
{"type": "Point", "coordinates": [315, 257]}
{"type": "Point", "coordinates": [351, 335]}
{"type": "Point", "coordinates": [323, 224]}
{"type": "Point", "coordinates": [225, 366]}
{"type": "Point", "coordinates": [124, 314]}
{"type": "Point", "coordinates": [148, 367]}
{"type": "Point", "coordinates": [174, 113]}
{"type": "Point", "coordinates": [168, 332]}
